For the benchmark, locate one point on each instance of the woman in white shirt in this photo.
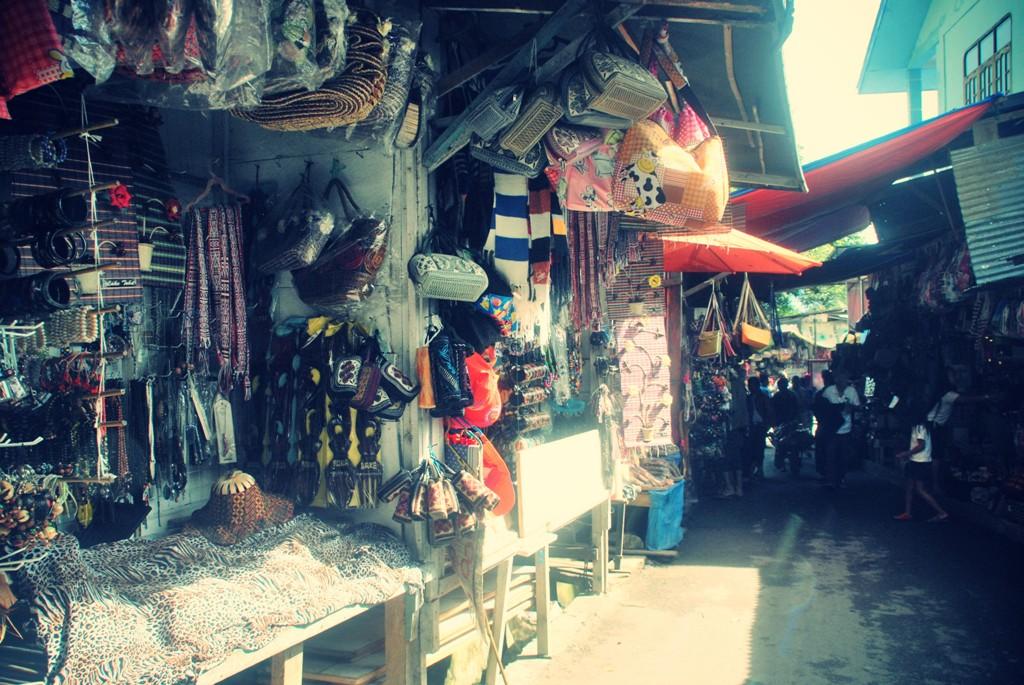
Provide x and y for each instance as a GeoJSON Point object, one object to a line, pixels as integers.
{"type": "Point", "coordinates": [918, 468]}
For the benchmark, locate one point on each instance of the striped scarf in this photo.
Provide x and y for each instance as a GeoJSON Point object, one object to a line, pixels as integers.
{"type": "Point", "coordinates": [541, 219]}
{"type": "Point", "coordinates": [509, 239]}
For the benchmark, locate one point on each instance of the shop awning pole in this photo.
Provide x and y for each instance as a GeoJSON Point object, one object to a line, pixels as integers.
{"type": "Point", "coordinates": [711, 281]}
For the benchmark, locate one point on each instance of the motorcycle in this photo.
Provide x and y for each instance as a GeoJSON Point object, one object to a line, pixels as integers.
{"type": "Point", "coordinates": [791, 440]}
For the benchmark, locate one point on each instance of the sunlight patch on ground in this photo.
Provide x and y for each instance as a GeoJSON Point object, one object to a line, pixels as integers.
{"type": "Point", "coordinates": [717, 626]}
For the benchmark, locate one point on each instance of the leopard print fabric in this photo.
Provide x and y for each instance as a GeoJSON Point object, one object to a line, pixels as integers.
{"type": "Point", "coordinates": [164, 611]}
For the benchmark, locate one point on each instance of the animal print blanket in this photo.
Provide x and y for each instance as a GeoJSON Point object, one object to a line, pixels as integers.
{"type": "Point", "coordinates": [164, 611]}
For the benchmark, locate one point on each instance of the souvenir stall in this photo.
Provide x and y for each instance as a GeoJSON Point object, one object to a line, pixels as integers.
{"type": "Point", "coordinates": [953, 355]}
{"type": "Point", "coordinates": [313, 321]}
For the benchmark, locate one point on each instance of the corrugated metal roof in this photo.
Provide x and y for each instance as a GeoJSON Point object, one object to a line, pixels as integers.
{"type": "Point", "coordinates": [991, 190]}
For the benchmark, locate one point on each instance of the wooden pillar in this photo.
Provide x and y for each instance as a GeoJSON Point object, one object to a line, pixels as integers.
{"type": "Point", "coordinates": [286, 667]}
{"type": "Point", "coordinates": [542, 596]}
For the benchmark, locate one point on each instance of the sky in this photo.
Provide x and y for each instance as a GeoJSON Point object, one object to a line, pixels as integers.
{"type": "Point", "coordinates": [823, 58]}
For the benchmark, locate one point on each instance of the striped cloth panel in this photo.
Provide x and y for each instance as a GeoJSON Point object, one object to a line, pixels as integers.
{"type": "Point", "coordinates": [116, 157]}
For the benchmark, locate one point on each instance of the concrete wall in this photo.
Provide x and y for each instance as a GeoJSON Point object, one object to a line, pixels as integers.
{"type": "Point", "coordinates": [952, 26]}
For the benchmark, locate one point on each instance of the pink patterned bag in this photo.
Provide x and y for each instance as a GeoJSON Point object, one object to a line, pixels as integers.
{"type": "Point", "coordinates": [588, 181]}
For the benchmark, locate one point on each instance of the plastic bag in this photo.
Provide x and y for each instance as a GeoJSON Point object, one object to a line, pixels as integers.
{"type": "Point", "coordinates": [234, 45]}
{"type": "Point", "coordinates": [87, 41]}
{"type": "Point", "coordinates": [309, 44]}
{"type": "Point", "coordinates": [382, 123]}
{"type": "Point", "coordinates": [135, 27]}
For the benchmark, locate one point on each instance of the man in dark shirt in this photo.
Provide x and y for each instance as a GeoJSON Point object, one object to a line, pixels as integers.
{"type": "Point", "coordinates": [785, 405]}
{"type": "Point", "coordinates": [785, 409]}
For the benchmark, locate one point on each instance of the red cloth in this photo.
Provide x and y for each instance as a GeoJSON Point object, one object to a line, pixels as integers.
{"type": "Point", "coordinates": [30, 50]}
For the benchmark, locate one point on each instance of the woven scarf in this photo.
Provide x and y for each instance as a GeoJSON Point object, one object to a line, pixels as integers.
{"type": "Point", "coordinates": [509, 239]}
{"type": "Point", "coordinates": [540, 238]}
{"type": "Point", "coordinates": [584, 268]}
{"type": "Point", "coordinates": [214, 285]}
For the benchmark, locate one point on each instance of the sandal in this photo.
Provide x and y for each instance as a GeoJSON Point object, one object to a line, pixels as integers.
{"type": "Point", "coordinates": [903, 517]}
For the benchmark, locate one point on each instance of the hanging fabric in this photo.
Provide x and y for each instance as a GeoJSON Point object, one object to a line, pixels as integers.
{"type": "Point", "coordinates": [214, 309]}
{"type": "Point", "coordinates": [584, 267]}
{"type": "Point", "coordinates": [540, 239]}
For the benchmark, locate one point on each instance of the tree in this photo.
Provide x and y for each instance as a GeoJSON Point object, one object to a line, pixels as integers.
{"type": "Point", "coordinates": [822, 298]}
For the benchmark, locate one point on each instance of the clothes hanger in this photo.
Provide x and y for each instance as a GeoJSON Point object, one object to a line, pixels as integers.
{"type": "Point", "coordinates": [215, 182]}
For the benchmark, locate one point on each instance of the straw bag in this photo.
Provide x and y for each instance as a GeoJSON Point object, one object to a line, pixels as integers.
{"type": "Point", "coordinates": [345, 100]}
{"type": "Point", "coordinates": [751, 324]}
{"type": "Point", "coordinates": [712, 331]}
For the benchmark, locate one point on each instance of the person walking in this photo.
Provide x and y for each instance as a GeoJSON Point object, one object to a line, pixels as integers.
{"type": "Point", "coordinates": [828, 418]}
{"type": "Point", "coordinates": [758, 413]}
{"type": "Point", "coordinates": [844, 396]}
{"type": "Point", "coordinates": [917, 466]}
{"type": "Point", "coordinates": [785, 410]}
{"type": "Point", "coordinates": [736, 438]}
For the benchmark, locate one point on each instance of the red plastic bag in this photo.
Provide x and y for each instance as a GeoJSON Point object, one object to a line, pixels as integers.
{"type": "Point", "coordinates": [483, 379]}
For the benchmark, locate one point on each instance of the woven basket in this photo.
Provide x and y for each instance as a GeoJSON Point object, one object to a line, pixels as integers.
{"type": "Point", "coordinates": [345, 100]}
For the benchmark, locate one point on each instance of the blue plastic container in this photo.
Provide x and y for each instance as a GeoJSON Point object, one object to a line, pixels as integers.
{"type": "Point", "coordinates": [665, 518]}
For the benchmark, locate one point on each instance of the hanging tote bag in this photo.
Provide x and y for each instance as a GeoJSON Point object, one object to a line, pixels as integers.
{"type": "Point", "coordinates": [709, 339]}
{"type": "Point", "coordinates": [658, 180]}
{"type": "Point", "coordinates": [751, 324]}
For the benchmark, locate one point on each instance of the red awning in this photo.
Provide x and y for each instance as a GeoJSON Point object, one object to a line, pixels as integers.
{"type": "Point", "coordinates": [846, 178]}
{"type": "Point", "coordinates": [734, 251]}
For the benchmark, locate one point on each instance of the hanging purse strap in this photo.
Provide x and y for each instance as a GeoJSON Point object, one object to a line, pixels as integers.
{"type": "Point", "coordinates": [670, 63]}
{"type": "Point", "coordinates": [348, 203]}
{"type": "Point", "coordinates": [712, 316]}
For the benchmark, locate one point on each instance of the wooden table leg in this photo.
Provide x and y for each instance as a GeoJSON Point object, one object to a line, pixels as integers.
{"type": "Point", "coordinates": [600, 523]}
{"type": "Point", "coordinates": [401, 665]}
{"type": "Point", "coordinates": [503, 584]}
{"type": "Point", "coordinates": [542, 596]}
{"type": "Point", "coordinates": [286, 667]}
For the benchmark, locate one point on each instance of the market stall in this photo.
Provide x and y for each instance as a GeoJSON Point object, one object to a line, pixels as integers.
{"type": "Point", "coordinates": [313, 312]}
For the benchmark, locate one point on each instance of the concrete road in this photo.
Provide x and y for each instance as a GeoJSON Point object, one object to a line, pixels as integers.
{"type": "Point", "coordinates": [795, 584]}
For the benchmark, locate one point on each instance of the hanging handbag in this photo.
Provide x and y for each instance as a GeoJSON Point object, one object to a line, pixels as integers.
{"type": "Point", "coordinates": [369, 378]}
{"type": "Point", "coordinates": [530, 164]}
{"type": "Point", "coordinates": [426, 380]}
{"type": "Point", "coordinates": [448, 365]}
{"type": "Point", "coordinates": [398, 386]}
{"type": "Point", "coordinates": [567, 143]}
{"type": "Point", "coordinates": [447, 277]}
{"type": "Point", "coordinates": [576, 99]}
{"type": "Point", "coordinates": [345, 364]}
{"type": "Point", "coordinates": [709, 339]}
{"type": "Point", "coordinates": [621, 87]}
{"type": "Point", "coordinates": [540, 112]}
{"type": "Point", "coordinates": [295, 235]}
{"type": "Point", "coordinates": [345, 272]}
{"type": "Point", "coordinates": [751, 324]}
{"type": "Point", "coordinates": [588, 181]}
{"type": "Point", "coordinates": [658, 180]}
